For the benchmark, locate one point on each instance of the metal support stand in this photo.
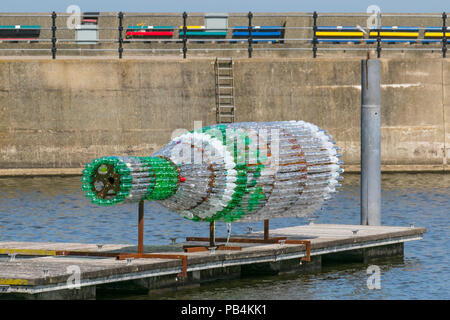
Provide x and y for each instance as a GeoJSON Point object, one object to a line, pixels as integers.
{"type": "Point", "coordinates": [266, 229]}
{"type": "Point", "coordinates": [265, 240]}
{"type": "Point", "coordinates": [141, 228]}
{"type": "Point", "coordinates": [139, 255]}
{"type": "Point", "coordinates": [212, 242]}
{"type": "Point", "coordinates": [212, 234]}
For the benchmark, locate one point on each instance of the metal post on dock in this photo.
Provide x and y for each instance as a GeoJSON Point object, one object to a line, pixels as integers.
{"type": "Point", "coordinates": [212, 234]}
{"type": "Point", "coordinates": [141, 228]}
{"type": "Point", "coordinates": [266, 229]}
{"type": "Point", "coordinates": [370, 142]}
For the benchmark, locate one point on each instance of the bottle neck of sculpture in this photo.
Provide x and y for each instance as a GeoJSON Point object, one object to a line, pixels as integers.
{"type": "Point", "coordinates": [111, 180]}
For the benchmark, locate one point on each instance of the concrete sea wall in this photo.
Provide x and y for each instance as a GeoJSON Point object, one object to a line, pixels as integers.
{"type": "Point", "coordinates": [62, 113]}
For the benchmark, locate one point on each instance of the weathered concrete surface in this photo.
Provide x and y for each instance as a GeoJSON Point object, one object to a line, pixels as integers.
{"type": "Point", "coordinates": [327, 92]}
{"type": "Point", "coordinates": [43, 172]}
{"type": "Point", "coordinates": [61, 114]}
{"type": "Point", "coordinates": [446, 110]}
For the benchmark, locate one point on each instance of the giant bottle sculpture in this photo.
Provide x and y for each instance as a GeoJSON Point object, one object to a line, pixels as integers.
{"type": "Point", "coordinates": [234, 172]}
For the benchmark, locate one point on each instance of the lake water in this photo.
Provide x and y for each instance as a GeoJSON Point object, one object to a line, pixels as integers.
{"type": "Point", "coordinates": [54, 209]}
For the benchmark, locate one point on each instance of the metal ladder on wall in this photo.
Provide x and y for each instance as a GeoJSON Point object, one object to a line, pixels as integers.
{"type": "Point", "coordinates": [224, 90]}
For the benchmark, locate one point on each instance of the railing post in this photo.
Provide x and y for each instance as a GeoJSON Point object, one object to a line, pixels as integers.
{"type": "Point", "coordinates": [250, 39]}
{"type": "Point", "coordinates": [53, 35]}
{"type": "Point", "coordinates": [378, 43]}
{"type": "Point", "coordinates": [120, 29]}
{"type": "Point", "coordinates": [184, 34]}
{"type": "Point", "coordinates": [444, 36]}
{"type": "Point", "coordinates": [314, 34]}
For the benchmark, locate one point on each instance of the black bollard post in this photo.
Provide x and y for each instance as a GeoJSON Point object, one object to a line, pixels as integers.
{"type": "Point", "coordinates": [53, 35]}
{"type": "Point", "coordinates": [315, 15]}
{"type": "Point", "coordinates": [120, 29]}
{"type": "Point", "coordinates": [444, 36]}
{"type": "Point", "coordinates": [250, 39]}
{"type": "Point", "coordinates": [184, 34]}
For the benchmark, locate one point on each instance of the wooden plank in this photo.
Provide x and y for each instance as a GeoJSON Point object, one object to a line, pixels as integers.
{"type": "Point", "coordinates": [62, 246]}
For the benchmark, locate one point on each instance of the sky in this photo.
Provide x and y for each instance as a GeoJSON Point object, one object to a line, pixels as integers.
{"type": "Point", "coordinates": [413, 6]}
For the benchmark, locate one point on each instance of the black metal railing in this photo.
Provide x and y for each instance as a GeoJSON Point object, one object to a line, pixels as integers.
{"type": "Point", "coordinates": [308, 41]}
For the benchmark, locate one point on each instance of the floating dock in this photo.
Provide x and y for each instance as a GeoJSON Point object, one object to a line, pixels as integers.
{"type": "Point", "coordinates": [68, 271]}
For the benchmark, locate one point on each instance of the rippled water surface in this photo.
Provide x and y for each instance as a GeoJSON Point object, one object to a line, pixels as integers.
{"type": "Point", "coordinates": [54, 209]}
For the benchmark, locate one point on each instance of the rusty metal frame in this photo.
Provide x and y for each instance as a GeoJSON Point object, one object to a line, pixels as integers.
{"type": "Point", "coordinates": [307, 244]}
{"type": "Point", "coordinates": [139, 255]}
{"type": "Point", "coordinates": [124, 255]}
{"type": "Point", "coordinates": [119, 255]}
{"type": "Point", "coordinates": [266, 240]}
{"type": "Point", "coordinates": [212, 242]}
{"type": "Point", "coordinates": [141, 227]}
{"type": "Point", "coordinates": [107, 184]}
{"type": "Point", "coordinates": [181, 257]}
{"type": "Point", "coordinates": [241, 240]}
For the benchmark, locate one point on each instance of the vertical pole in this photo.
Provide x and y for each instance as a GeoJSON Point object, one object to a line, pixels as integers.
{"type": "Point", "coordinates": [53, 35]}
{"type": "Point", "coordinates": [266, 229]}
{"type": "Point", "coordinates": [141, 228]}
{"type": "Point", "coordinates": [378, 44]}
{"type": "Point", "coordinates": [212, 234]}
{"type": "Point", "coordinates": [378, 29]}
{"type": "Point", "coordinates": [184, 34]}
{"type": "Point", "coordinates": [444, 37]}
{"type": "Point", "coordinates": [250, 39]}
{"type": "Point", "coordinates": [120, 29]}
{"type": "Point", "coordinates": [370, 142]}
{"type": "Point", "coordinates": [314, 35]}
